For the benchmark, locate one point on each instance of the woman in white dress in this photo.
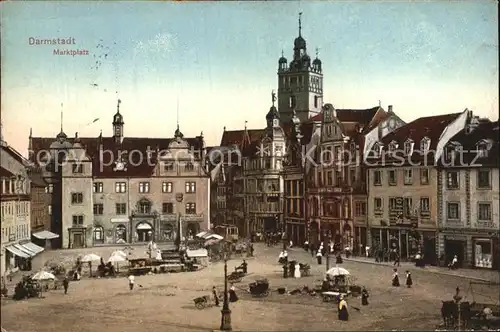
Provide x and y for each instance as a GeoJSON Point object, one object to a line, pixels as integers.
{"type": "Point", "coordinates": [296, 274]}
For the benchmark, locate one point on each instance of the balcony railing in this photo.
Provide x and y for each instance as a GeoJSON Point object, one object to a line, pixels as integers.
{"type": "Point", "coordinates": [486, 225]}
{"type": "Point", "coordinates": [266, 207]}
{"type": "Point", "coordinates": [454, 223]}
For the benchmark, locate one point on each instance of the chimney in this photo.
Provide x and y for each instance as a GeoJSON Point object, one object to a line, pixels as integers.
{"type": "Point", "coordinates": [389, 108]}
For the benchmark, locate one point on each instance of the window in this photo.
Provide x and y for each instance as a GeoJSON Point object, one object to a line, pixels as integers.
{"type": "Point", "coordinates": [120, 187]}
{"type": "Point", "coordinates": [483, 179]}
{"type": "Point", "coordinates": [98, 187]}
{"type": "Point", "coordinates": [76, 198]}
{"type": "Point", "coordinates": [77, 220]}
{"type": "Point", "coordinates": [121, 208]}
{"type": "Point", "coordinates": [168, 208]}
{"type": "Point", "coordinates": [143, 187]}
{"type": "Point", "coordinates": [77, 168]}
{"type": "Point", "coordinates": [291, 102]}
{"type": "Point", "coordinates": [50, 210]}
{"type": "Point", "coordinates": [424, 205]}
{"type": "Point", "coordinates": [377, 204]}
{"type": "Point", "coordinates": [408, 206]}
{"type": "Point", "coordinates": [425, 144]}
{"type": "Point", "coordinates": [453, 211]}
{"type": "Point", "coordinates": [408, 147]}
{"type": "Point", "coordinates": [352, 176]}
{"type": "Point", "coordinates": [377, 178]}
{"type": "Point", "coordinates": [166, 187]}
{"type": "Point", "coordinates": [424, 176]}
{"type": "Point", "coordinates": [360, 209]}
{"type": "Point", "coordinates": [452, 180]}
{"type": "Point", "coordinates": [145, 207]}
{"type": "Point", "coordinates": [408, 176]}
{"type": "Point", "coordinates": [484, 212]}
{"type": "Point", "coordinates": [329, 178]}
{"type": "Point", "coordinates": [169, 166]}
{"type": "Point", "coordinates": [392, 177]}
{"type": "Point", "coordinates": [190, 187]}
{"type": "Point", "coordinates": [98, 209]}
{"type": "Point", "coordinates": [315, 101]}
{"type": "Point", "coordinates": [190, 208]}
{"type": "Point", "coordinates": [189, 166]}
{"type": "Point", "coordinates": [482, 150]}
{"type": "Point", "coordinates": [49, 189]}
{"type": "Point", "coordinates": [98, 233]}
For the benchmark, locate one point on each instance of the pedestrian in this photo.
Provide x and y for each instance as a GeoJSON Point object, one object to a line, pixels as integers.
{"type": "Point", "coordinates": [131, 281]}
{"type": "Point", "coordinates": [409, 281]}
{"type": "Point", "coordinates": [396, 259]}
{"type": "Point", "coordinates": [343, 313]}
{"type": "Point", "coordinates": [232, 294]}
{"type": "Point", "coordinates": [313, 249]}
{"type": "Point", "coordinates": [364, 296]}
{"type": "Point", "coordinates": [216, 296]}
{"type": "Point", "coordinates": [395, 278]}
{"type": "Point", "coordinates": [285, 271]}
{"type": "Point", "coordinates": [65, 285]}
{"type": "Point", "coordinates": [319, 257]}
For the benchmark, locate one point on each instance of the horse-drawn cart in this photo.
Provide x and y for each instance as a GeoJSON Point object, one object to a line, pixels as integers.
{"type": "Point", "coordinates": [259, 288]}
{"type": "Point", "coordinates": [203, 302]}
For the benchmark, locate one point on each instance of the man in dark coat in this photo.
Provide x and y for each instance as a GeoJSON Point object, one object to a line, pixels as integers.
{"type": "Point", "coordinates": [285, 271]}
{"type": "Point", "coordinates": [65, 285]}
{"type": "Point", "coordinates": [364, 296]}
{"type": "Point", "coordinates": [216, 296]}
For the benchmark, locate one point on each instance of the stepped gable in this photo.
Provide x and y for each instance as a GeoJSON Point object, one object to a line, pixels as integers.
{"type": "Point", "coordinates": [134, 151]}
{"type": "Point", "coordinates": [431, 127]}
{"type": "Point", "coordinates": [487, 132]}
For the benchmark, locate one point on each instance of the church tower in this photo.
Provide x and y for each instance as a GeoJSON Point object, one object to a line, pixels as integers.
{"type": "Point", "coordinates": [118, 124]}
{"type": "Point", "coordinates": [300, 83]}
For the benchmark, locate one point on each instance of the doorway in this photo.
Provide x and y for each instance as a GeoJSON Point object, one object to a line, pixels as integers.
{"type": "Point", "coordinates": [454, 247]}
{"type": "Point", "coordinates": [78, 240]}
{"type": "Point", "coordinates": [144, 232]}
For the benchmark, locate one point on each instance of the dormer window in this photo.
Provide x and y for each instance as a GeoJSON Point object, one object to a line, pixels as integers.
{"type": "Point", "coordinates": [482, 149]}
{"type": "Point", "coordinates": [393, 146]}
{"type": "Point", "coordinates": [408, 147]}
{"type": "Point", "coordinates": [425, 144]}
{"type": "Point", "coordinates": [452, 151]}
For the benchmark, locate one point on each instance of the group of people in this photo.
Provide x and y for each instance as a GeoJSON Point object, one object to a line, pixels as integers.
{"type": "Point", "coordinates": [395, 279]}
{"type": "Point", "coordinates": [232, 297]}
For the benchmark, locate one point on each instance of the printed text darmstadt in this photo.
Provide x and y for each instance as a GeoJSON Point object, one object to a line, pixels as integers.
{"type": "Point", "coordinates": [32, 41]}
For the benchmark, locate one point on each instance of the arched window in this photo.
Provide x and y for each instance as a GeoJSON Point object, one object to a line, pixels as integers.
{"type": "Point", "coordinates": [144, 206]}
{"type": "Point", "coordinates": [98, 234]}
{"type": "Point", "coordinates": [121, 234]}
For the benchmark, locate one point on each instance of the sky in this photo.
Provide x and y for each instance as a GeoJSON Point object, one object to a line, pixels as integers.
{"type": "Point", "coordinates": [214, 65]}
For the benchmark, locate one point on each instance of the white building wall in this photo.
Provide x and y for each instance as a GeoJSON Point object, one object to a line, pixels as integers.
{"type": "Point", "coordinates": [485, 196]}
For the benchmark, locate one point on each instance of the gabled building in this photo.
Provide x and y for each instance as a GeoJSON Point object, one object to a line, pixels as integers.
{"type": "Point", "coordinates": [468, 196]}
{"type": "Point", "coordinates": [295, 167]}
{"type": "Point", "coordinates": [338, 192]}
{"type": "Point", "coordinates": [121, 189]}
{"type": "Point", "coordinates": [15, 185]}
{"type": "Point", "coordinates": [402, 185]}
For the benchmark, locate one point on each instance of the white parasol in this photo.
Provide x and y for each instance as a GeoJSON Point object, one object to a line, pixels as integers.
{"type": "Point", "coordinates": [90, 258]}
{"type": "Point", "coordinates": [116, 259]}
{"type": "Point", "coordinates": [337, 271]}
{"type": "Point", "coordinates": [43, 275]}
{"type": "Point", "coordinates": [119, 253]}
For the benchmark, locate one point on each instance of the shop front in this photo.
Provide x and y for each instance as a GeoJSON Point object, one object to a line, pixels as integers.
{"type": "Point", "coordinates": [482, 252]}
{"type": "Point", "coordinates": [296, 231]}
{"type": "Point", "coordinates": [359, 240]}
{"type": "Point", "coordinates": [405, 241]}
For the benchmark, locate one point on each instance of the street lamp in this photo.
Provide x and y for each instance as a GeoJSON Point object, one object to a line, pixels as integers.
{"type": "Point", "coordinates": [225, 321]}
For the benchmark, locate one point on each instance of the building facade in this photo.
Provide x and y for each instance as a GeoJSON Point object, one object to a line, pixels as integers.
{"type": "Point", "coordinates": [124, 189]}
{"type": "Point", "coordinates": [468, 196]}
{"type": "Point", "coordinates": [16, 247]}
{"type": "Point", "coordinates": [402, 186]}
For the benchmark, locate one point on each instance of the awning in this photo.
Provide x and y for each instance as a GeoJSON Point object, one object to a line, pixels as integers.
{"type": "Point", "coordinates": [45, 235]}
{"type": "Point", "coordinates": [30, 253]}
{"type": "Point", "coordinates": [143, 226]}
{"type": "Point", "coordinates": [33, 247]}
{"type": "Point", "coordinates": [17, 252]}
{"type": "Point", "coordinates": [213, 236]}
{"type": "Point", "coordinates": [201, 234]}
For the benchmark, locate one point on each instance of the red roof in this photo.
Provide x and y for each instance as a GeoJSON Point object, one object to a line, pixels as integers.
{"type": "Point", "coordinates": [486, 132]}
{"type": "Point", "coordinates": [431, 127]}
{"type": "Point", "coordinates": [361, 116]}
{"type": "Point", "coordinates": [134, 151]}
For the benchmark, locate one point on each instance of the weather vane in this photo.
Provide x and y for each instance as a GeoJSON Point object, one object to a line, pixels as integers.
{"type": "Point", "coordinates": [273, 96]}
